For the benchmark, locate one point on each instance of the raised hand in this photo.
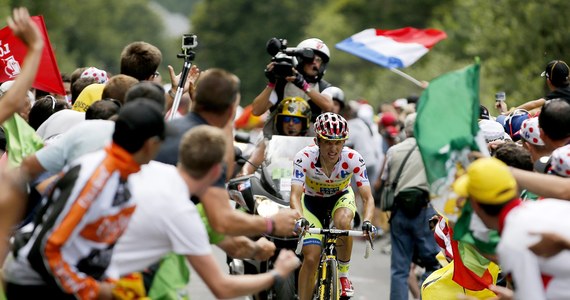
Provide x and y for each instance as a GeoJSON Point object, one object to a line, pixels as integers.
{"type": "Point", "coordinates": [269, 74]}
{"type": "Point", "coordinates": [191, 79]}
{"type": "Point", "coordinates": [25, 28]}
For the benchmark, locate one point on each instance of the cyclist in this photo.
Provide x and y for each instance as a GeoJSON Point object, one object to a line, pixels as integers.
{"type": "Point", "coordinates": [320, 185]}
{"type": "Point", "coordinates": [306, 82]}
{"type": "Point", "coordinates": [292, 119]}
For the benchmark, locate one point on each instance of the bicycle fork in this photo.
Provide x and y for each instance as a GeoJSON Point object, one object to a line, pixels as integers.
{"type": "Point", "coordinates": [328, 281]}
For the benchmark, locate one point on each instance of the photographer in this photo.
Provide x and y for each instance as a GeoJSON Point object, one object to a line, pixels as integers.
{"type": "Point", "coordinates": [304, 80]}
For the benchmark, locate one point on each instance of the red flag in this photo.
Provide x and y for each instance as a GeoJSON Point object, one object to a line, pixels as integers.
{"type": "Point", "coordinates": [12, 54]}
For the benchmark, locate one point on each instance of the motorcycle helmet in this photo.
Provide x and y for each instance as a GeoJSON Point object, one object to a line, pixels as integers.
{"type": "Point", "coordinates": [293, 107]}
{"type": "Point", "coordinates": [331, 126]}
{"type": "Point", "coordinates": [336, 94]}
{"type": "Point", "coordinates": [320, 48]}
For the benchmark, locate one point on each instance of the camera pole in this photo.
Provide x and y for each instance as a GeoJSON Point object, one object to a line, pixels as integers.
{"type": "Point", "coordinates": [188, 56]}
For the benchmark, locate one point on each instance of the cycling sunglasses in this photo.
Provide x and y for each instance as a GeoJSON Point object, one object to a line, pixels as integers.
{"type": "Point", "coordinates": [296, 120]}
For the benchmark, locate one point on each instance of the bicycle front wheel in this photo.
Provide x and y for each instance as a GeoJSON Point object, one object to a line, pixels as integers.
{"type": "Point", "coordinates": [330, 290]}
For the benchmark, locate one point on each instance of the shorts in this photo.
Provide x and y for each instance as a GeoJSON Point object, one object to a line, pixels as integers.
{"type": "Point", "coordinates": [318, 210]}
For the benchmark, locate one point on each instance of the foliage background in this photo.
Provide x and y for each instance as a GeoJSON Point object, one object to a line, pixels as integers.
{"type": "Point", "coordinates": [514, 39]}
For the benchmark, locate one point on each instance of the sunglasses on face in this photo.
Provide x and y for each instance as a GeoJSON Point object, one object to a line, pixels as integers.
{"type": "Point", "coordinates": [295, 120]}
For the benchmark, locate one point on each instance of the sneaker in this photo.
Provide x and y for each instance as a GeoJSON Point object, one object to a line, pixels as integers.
{"type": "Point", "coordinates": [347, 289]}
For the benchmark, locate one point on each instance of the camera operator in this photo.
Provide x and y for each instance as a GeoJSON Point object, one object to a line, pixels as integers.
{"type": "Point", "coordinates": [304, 80]}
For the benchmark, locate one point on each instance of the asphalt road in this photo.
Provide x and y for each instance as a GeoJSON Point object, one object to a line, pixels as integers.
{"type": "Point", "coordinates": [370, 277]}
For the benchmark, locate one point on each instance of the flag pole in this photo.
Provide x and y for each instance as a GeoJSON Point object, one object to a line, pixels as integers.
{"type": "Point", "coordinates": [408, 77]}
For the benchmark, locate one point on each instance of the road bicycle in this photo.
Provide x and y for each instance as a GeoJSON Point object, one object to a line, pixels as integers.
{"type": "Point", "coordinates": [328, 282]}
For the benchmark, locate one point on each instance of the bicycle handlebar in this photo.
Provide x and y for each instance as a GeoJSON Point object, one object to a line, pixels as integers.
{"type": "Point", "coordinates": [336, 232]}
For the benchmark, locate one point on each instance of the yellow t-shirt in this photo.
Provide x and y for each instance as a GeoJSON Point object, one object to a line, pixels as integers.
{"type": "Point", "coordinates": [90, 94]}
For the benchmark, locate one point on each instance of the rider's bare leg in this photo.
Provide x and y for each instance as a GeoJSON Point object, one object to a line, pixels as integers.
{"type": "Point", "coordinates": [307, 274]}
{"type": "Point", "coordinates": [343, 220]}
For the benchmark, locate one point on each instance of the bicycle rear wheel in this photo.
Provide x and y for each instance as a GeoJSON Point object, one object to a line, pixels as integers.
{"type": "Point", "coordinates": [330, 287]}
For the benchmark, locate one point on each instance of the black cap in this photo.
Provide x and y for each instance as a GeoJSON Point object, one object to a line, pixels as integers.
{"type": "Point", "coordinates": [138, 121]}
{"type": "Point", "coordinates": [483, 113]}
{"type": "Point", "coordinates": [557, 72]}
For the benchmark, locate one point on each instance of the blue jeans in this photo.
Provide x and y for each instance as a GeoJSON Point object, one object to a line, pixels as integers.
{"type": "Point", "coordinates": [409, 235]}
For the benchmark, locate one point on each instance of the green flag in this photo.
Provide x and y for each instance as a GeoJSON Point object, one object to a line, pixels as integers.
{"type": "Point", "coordinates": [21, 140]}
{"type": "Point", "coordinates": [475, 233]}
{"type": "Point", "coordinates": [445, 128]}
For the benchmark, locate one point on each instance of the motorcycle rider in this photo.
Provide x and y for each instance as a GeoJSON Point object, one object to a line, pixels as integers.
{"type": "Point", "coordinates": [292, 119]}
{"type": "Point", "coordinates": [306, 83]}
{"type": "Point", "coordinates": [338, 98]}
{"type": "Point", "coordinates": [320, 185]}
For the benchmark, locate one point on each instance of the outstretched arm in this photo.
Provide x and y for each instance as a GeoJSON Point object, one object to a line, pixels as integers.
{"type": "Point", "coordinates": [534, 104]}
{"type": "Point", "coordinates": [255, 160]}
{"type": "Point", "coordinates": [224, 219]}
{"type": "Point", "coordinates": [542, 184]}
{"type": "Point", "coordinates": [24, 28]}
{"type": "Point", "coordinates": [244, 247]}
{"type": "Point", "coordinates": [229, 286]}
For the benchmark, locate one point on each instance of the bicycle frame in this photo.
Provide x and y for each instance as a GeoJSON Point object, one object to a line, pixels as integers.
{"type": "Point", "coordinates": [328, 284]}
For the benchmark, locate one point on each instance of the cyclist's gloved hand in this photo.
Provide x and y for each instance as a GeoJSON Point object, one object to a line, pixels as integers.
{"type": "Point", "coordinates": [368, 227]}
{"type": "Point", "coordinates": [301, 223]}
{"type": "Point", "coordinates": [270, 75]}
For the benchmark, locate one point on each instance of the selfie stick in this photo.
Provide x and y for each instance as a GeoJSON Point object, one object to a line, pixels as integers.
{"type": "Point", "coordinates": [188, 56]}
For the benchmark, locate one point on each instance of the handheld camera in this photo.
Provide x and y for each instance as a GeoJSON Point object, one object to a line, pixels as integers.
{"type": "Point", "coordinates": [500, 97]}
{"type": "Point", "coordinates": [189, 41]}
{"type": "Point", "coordinates": [286, 58]}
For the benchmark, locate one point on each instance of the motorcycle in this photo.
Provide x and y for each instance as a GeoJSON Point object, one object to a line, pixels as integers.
{"type": "Point", "coordinates": [264, 193]}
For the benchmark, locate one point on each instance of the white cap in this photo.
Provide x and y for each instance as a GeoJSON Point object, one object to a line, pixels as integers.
{"type": "Point", "coordinates": [492, 130]}
{"type": "Point", "coordinates": [8, 84]}
{"type": "Point", "coordinates": [400, 103]}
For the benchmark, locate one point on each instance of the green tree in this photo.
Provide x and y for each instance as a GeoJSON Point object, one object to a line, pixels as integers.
{"type": "Point", "coordinates": [514, 39]}
{"type": "Point", "coordinates": [183, 7]}
{"type": "Point", "coordinates": [93, 33]}
{"type": "Point", "coordinates": [232, 35]}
